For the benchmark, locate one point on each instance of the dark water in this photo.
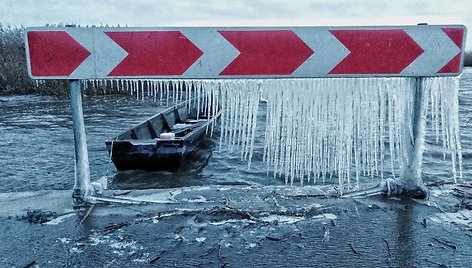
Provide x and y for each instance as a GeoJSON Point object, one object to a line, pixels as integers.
{"type": "Point", "coordinates": [37, 151]}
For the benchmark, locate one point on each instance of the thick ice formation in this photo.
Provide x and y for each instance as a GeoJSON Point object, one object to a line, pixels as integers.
{"type": "Point", "coordinates": [319, 129]}
{"type": "Point", "coordinates": [444, 118]}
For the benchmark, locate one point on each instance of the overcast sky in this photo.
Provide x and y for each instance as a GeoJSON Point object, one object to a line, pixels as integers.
{"type": "Point", "coordinates": [235, 12]}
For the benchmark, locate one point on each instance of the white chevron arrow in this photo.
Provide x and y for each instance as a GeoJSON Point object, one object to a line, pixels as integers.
{"type": "Point", "coordinates": [217, 52]}
{"type": "Point", "coordinates": [106, 54]}
{"type": "Point", "coordinates": [438, 48]}
{"type": "Point", "coordinates": [329, 51]}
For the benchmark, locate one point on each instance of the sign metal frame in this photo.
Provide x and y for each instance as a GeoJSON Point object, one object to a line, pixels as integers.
{"type": "Point", "coordinates": [248, 52]}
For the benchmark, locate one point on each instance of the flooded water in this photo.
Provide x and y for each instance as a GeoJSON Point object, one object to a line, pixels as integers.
{"type": "Point", "coordinates": [37, 150]}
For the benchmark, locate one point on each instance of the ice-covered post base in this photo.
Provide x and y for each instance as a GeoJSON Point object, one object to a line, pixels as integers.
{"type": "Point", "coordinates": [410, 182]}
{"type": "Point", "coordinates": [82, 186]}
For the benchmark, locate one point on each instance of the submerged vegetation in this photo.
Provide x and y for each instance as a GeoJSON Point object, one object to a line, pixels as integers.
{"type": "Point", "coordinates": [13, 74]}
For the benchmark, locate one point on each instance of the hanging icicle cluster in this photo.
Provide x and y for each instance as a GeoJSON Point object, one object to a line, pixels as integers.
{"type": "Point", "coordinates": [163, 91]}
{"type": "Point", "coordinates": [325, 128]}
{"type": "Point", "coordinates": [240, 106]}
{"type": "Point", "coordinates": [317, 129]}
{"type": "Point", "coordinates": [337, 128]}
{"type": "Point", "coordinates": [443, 114]}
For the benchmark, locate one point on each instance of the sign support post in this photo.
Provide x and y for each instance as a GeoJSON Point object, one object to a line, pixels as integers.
{"type": "Point", "coordinates": [82, 186]}
{"type": "Point", "coordinates": [412, 169]}
{"type": "Point", "coordinates": [410, 182]}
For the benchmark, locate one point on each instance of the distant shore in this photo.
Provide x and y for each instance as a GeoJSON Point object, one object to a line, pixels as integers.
{"type": "Point", "coordinates": [14, 78]}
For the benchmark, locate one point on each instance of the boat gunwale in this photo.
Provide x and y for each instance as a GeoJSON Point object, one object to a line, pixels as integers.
{"type": "Point", "coordinates": [168, 110]}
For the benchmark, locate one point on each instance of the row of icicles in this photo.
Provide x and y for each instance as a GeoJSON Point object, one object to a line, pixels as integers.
{"type": "Point", "coordinates": [317, 129]}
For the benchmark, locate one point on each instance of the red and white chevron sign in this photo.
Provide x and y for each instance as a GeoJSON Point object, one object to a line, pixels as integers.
{"type": "Point", "coordinates": [251, 52]}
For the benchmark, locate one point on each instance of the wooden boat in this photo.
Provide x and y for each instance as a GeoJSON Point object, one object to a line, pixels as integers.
{"type": "Point", "coordinates": [163, 141]}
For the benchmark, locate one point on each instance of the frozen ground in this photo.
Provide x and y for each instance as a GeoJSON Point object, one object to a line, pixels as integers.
{"type": "Point", "coordinates": [238, 226]}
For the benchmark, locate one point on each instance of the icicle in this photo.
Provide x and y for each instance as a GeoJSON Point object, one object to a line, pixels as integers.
{"type": "Point", "coordinates": [83, 83]}
{"type": "Point", "coordinates": [161, 91]}
{"type": "Point", "coordinates": [173, 91]}
{"type": "Point", "coordinates": [167, 85]}
{"type": "Point", "coordinates": [188, 86]}
{"type": "Point", "coordinates": [176, 91]}
{"type": "Point", "coordinates": [327, 127]}
{"type": "Point", "coordinates": [156, 89]}
{"type": "Point", "coordinates": [181, 90]}
{"type": "Point", "coordinates": [142, 90]}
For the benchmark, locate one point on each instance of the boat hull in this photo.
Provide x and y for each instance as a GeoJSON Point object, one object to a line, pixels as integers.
{"type": "Point", "coordinates": [141, 148]}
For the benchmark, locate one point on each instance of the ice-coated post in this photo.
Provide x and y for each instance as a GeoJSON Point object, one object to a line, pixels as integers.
{"type": "Point", "coordinates": [82, 186]}
{"type": "Point", "coordinates": [410, 182]}
{"type": "Point", "coordinates": [414, 146]}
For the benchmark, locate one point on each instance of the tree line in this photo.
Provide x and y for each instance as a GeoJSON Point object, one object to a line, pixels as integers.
{"type": "Point", "coordinates": [13, 73]}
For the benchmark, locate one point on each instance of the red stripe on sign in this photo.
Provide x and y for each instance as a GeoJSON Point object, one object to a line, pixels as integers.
{"type": "Point", "coordinates": [457, 36]}
{"type": "Point", "coordinates": [154, 53]}
{"type": "Point", "coordinates": [376, 51]}
{"type": "Point", "coordinates": [54, 53]}
{"type": "Point", "coordinates": [266, 52]}
{"type": "Point", "coordinates": [453, 66]}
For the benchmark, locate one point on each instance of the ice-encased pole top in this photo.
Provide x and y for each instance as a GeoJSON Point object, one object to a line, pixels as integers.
{"type": "Point", "coordinates": [245, 52]}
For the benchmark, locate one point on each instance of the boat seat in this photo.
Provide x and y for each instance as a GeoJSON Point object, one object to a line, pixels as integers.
{"type": "Point", "coordinates": [181, 130]}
